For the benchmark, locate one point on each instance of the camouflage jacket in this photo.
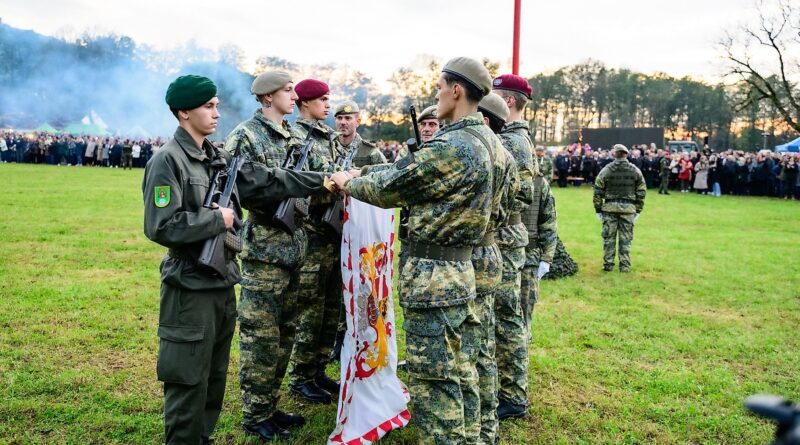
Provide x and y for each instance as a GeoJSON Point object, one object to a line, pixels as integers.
{"type": "Point", "coordinates": [267, 143]}
{"type": "Point", "coordinates": [542, 246]}
{"type": "Point", "coordinates": [546, 167]}
{"type": "Point", "coordinates": [619, 188]}
{"type": "Point", "coordinates": [518, 144]}
{"type": "Point", "coordinates": [366, 153]}
{"type": "Point", "coordinates": [446, 185]}
{"type": "Point", "coordinates": [325, 153]}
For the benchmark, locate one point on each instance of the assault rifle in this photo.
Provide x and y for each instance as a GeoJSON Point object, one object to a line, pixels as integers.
{"type": "Point", "coordinates": [296, 160]}
{"type": "Point", "coordinates": [213, 254]}
{"type": "Point", "coordinates": [413, 145]}
{"type": "Point", "coordinates": [334, 214]}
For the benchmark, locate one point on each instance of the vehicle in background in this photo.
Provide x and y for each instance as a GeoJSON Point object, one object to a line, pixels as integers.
{"type": "Point", "coordinates": [682, 146]}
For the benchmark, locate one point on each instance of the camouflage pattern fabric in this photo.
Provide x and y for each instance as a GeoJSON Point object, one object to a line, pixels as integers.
{"type": "Point", "coordinates": [546, 167]}
{"type": "Point", "coordinates": [619, 193]}
{"type": "Point", "coordinates": [441, 350]}
{"type": "Point", "coordinates": [318, 298]}
{"type": "Point", "coordinates": [446, 186]}
{"type": "Point", "coordinates": [543, 248]}
{"type": "Point", "coordinates": [366, 153]}
{"type": "Point", "coordinates": [266, 335]}
{"type": "Point", "coordinates": [510, 334]}
{"type": "Point", "coordinates": [617, 226]}
{"type": "Point", "coordinates": [271, 259]}
{"type": "Point", "coordinates": [487, 262]}
{"type": "Point", "coordinates": [563, 265]}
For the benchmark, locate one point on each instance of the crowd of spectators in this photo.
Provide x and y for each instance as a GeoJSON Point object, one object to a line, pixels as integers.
{"type": "Point", "coordinates": [728, 172]}
{"type": "Point", "coordinates": [59, 149]}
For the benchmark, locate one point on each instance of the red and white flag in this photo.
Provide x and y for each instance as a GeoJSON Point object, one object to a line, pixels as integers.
{"type": "Point", "coordinates": [372, 400]}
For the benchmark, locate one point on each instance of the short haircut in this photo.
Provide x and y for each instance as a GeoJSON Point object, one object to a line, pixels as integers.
{"type": "Point", "coordinates": [474, 95]}
{"type": "Point", "coordinates": [520, 100]}
{"type": "Point", "coordinates": [495, 123]}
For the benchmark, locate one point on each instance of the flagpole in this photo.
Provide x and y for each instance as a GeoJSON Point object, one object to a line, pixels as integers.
{"type": "Point", "coordinates": [515, 57]}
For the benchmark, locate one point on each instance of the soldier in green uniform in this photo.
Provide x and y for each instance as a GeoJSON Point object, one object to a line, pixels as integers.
{"type": "Point", "coordinates": [487, 260]}
{"type": "Point", "coordinates": [320, 294]}
{"type": "Point", "coordinates": [545, 163]}
{"type": "Point", "coordinates": [619, 192]}
{"type": "Point", "coordinates": [513, 310]}
{"type": "Point", "coordinates": [271, 261]}
{"type": "Point", "coordinates": [663, 172]}
{"type": "Point", "coordinates": [127, 155]}
{"type": "Point", "coordinates": [197, 315]}
{"type": "Point", "coordinates": [348, 119]}
{"type": "Point", "coordinates": [447, 187]}
{"type": "Point", "coordinates": [428, 123]}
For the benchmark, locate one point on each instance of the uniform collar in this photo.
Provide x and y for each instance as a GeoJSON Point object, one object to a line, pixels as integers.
{"type": "Point", "coordinates": [187, 143]}
{"type": "Point", "coordinates": [282, 128]}
{"type": "Point", "coordinates": [472, 119]}
{"type": "Point", "coordinates": [513, 125]}
{"type": "Point", "coordinates": [355, 143]}
{"type": "Point", "coordinates": [312, 124]}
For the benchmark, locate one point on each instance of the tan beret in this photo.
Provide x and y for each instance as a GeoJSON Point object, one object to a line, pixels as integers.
{"type": "Point", "coordinates": [619, 147]}
{"type": "Point", "coordinates": [346, 107]}
{"type": "Point", "coordinates": [428, 113]}
{"type": "Point", "coordinates": [471, 71]}
{"type": "Point", "coordinates": [270, 82]}
{"type": "Point", "coordinates": [494, 105]}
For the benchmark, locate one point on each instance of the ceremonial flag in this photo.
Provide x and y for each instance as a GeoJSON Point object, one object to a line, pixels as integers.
{"type": "Point", "coordinates": [372, 400]}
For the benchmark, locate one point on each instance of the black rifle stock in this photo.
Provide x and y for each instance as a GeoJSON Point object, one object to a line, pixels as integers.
{"type": "Point", "coordinates": [334, 214]}
{"type": "Point", "coordinates": [285, 214]}
{"type": "Point", "coordinates": [212, 256]}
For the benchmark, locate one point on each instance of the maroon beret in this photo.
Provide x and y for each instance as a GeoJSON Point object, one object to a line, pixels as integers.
{"type": "Point", "coordinates": [310, 89]}
{"type": "Point", "coordinates": [512, 82]}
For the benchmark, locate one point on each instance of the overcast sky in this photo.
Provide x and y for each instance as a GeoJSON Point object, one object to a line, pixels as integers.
{"type": "Point", "coordinates": [378, 36]}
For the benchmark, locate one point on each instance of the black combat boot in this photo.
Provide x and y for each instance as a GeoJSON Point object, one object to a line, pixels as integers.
{"type": "Point", "coordinates": [267, 431]}
{"type": "Point", "coordinates": [336, 352]}
{"type": "Point", "coordinates": [311, 392]}
{"type": "Point", "coordinates": [287, 420]}
{"type": "Point", "coordinates": [507, 410]}
{"type": "Point", "coordinates": [327, 383]}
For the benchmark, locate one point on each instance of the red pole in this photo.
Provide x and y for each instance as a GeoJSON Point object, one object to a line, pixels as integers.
{"type": "Point", "coordinates": [515, 58]}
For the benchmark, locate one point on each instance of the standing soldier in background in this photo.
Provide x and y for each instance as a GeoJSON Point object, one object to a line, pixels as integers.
{"type": "Point", "coordinates": [127, 155]}
{"type": "Point", "coordinates": [664, 166]}
{"type": "Point", "coordinates": [539, 218]}
{"type": "Point", "coordinates": [428, 123]}
{"type": "Point", "coordinates": [545, 163]}
{"type": "Point", "coordinates": [348, 119]}
{"type": "Point", "coordinates": [320, 292]}
{"type": "Point", "coordinates": [271, 261]}
{"type": "Point", "coordinates": [487, 260]}
{"type": "Point", "coordinates": [619, 193]}
{"type": "Point", "coordinates": [446, 184]}
{"type": "Point", "coordinates": [197, 316]}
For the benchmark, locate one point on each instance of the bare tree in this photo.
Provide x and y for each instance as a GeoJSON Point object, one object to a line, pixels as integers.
{"type": "Point", "coordinates": [764, 56]}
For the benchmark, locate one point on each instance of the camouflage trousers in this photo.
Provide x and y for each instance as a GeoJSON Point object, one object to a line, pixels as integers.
{"type": "Point", "coordinates": [488, 265]}
{"type": "Point", "coordinates": [511, 331]}
{"type": "Point", "coordinates": [266, 334]}
{"type": "Point", "coordinates": [319, 299]}
{"type": "Point", "coordinates": [529, 292]}
{"type": "Point", "coordinates": [441, 351]}
{"type": "Point", "coordinates": [617, 226]}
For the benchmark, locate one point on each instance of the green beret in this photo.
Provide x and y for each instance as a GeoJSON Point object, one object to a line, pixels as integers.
{"type": "Point", "coordinates": [619, 147]}
{"type": "Point", "coordinates": [189, 92]}
{"type": "Point", "coordinates": [494, 105]}
{"type": "Point", "coordinates": [471, 71]}
{"type": "Point", "coordinates": [428, 113]}
{"type": "Point", "coordinates": [346, 107]}
{"type": "Point", "coordinates": [270, 82]}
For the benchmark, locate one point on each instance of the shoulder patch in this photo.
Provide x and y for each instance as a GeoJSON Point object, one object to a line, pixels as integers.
{"type": "Point", "coordinates": [161, 195]}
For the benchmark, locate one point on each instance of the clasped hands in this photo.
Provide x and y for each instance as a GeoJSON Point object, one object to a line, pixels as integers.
{"type": "Point", "coordinates": [341, 178]}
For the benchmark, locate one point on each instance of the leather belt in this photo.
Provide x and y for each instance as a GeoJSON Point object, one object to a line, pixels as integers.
{"type": "Point", "coordinates": [437, 252]}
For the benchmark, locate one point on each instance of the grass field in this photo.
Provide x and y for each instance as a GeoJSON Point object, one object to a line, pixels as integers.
{"type": "Point", "coordinates": [663, 355]}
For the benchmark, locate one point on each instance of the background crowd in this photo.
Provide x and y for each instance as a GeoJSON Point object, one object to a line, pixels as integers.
{"type": "Point", "coordinates": [45, 148]}
{"type": "Point", "coordinates": [728, 172]}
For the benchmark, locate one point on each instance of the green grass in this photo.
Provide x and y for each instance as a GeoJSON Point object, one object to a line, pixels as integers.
{"type": "Point", "coordinates": [664, 355]}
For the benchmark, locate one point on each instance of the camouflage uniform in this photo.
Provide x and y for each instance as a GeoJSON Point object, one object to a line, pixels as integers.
{"type": "Point", "coordinates": [546, 167]}
{"type": "Point", "coordinates": [512, 334]}
{"type": "Point", "coordinates": [271, 261]}
{"type": "Point", "coordinates": [367, 153]}
{"type": "Point", "coordinates": [320, 292]}
{"type": "Point", "coordinates": [446, 186]}
{"type": "Point", "coordinates": [487, 262]}
{"type": "Point", "coordinates": [619, 192]}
